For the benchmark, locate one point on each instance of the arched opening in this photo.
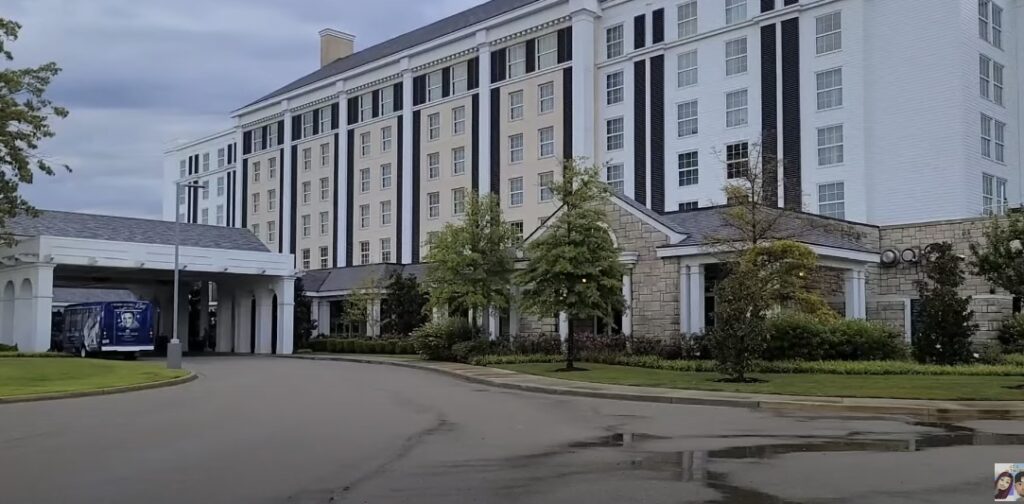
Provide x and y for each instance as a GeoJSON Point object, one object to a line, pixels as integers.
{"type": "Point", "coordinates": [252, 326]}
{"type": "Point", "coordinates": [25, 291]}
{"type": "Point", "coordinates": [7, 314]}
{"type": "Point", "coordinates": [273, 325]}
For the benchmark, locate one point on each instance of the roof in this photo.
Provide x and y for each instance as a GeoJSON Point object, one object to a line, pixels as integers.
{"type": "Point", "coordinates": [74, 295]}
{"type": "Point", "coordinates": [422, 35]}
{"type": "Point", "coordinates": [132, 230]}
{"type": "Point", "coordinates": [355, 277]}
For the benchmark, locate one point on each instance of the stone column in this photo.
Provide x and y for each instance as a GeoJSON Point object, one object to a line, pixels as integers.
{"type": "Point", "coordinates": [373, 319]}
{"type": "Point", "coordinates": [627, 311]}
{"type": "Point", "coordinates": [7, 295]}
{"type": "Point", "coordinates": [243, 321]}
{"type": "Point", "coordinates": [324, 319]}
{"type": "Point", "coordinates": [405, 206]}
{"type": "Point", "coordinates": [854, 290]}
{"type": "Point", "coordinates": [225, 317]}
{"type": "Point", "coordinates": [684, 297]}
{"type": "Point", "coordinates": [341, 176]}
{"type": "Point", "coordinates": [33, 308]}
{"type": "Point", "coordinates": [285, 315]}
{"type": "Point", "coordinates": [484, 145]}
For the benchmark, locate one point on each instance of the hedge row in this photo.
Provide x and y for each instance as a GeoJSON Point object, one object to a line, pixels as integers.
{"type": "Point", "coordinates": [358, 346]}
{"type": "Point", "coordinates": [34, 355]}
{"type": "Point", "coordinates": [780, 367]}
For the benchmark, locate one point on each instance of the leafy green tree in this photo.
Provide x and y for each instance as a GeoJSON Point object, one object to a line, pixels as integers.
{"type": "Point", "coordinates": [25, 113]}
{"type": "Point", "coordinates": [574, 265]}
{"type": "Point", "coordinates": [470, 264]}
{"type": "Point", "coordinates": [357, 307]}
{"type": "Point", "coordinates": [944, 334]}
{"type": "Point", "coordinates": [303, 324]}
{"type": "Point", "coordinates": [407, 305]}
{"type": "Point", "coordinates": [1000, 259]}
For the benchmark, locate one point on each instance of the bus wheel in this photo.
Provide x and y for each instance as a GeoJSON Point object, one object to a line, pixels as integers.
{"type": "Point", "coordinates": [82, 352]}
{"type": "Point", "coordinates": [130, 356]}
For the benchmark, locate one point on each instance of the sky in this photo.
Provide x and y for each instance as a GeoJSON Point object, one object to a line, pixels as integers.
{"type": "Point", "coordinates": [140, 75]}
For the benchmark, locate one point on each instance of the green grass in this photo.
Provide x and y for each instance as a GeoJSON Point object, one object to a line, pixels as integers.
{"type": "Point", "coordinates": [962, 388]}
{"type": "Point", "coordinates": [20, 377]}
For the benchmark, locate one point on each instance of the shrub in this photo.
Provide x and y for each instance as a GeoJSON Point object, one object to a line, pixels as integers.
{"type": "Point", "coordinates": [600, 343]}
{"type": "Point", "coordinates": [536, 343]}
{"type": "Point", "coordinates": [644, 345]}
{"type": "Point", "coordinates": [863, 340]}
{"type": "Point", "coordinates": [8, 348]}
{"type": "Point", "coordinates": [304, 351]}
{"type": "Point", "coordinates": [795, 336]}
{"type": "Point", "coordinates": [466, 350]}
{"type": "Point", "coordinates": [1015, 359]}
{"type": "Point", "coordinates": [801, 337]}
{"type": "Point", "coordinates": [498, 360]}
{"type": "Point", "coordinates": [1011, 334]}
{"type": "Point", "coordinates": [435, 340]}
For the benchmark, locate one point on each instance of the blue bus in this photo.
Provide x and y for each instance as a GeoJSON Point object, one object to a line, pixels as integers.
{"type": "Point", "coordinates": [123, 326]}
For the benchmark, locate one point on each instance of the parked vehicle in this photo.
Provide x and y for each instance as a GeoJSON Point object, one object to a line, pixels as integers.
{"type": "Point", "coordinates": [125, 327]}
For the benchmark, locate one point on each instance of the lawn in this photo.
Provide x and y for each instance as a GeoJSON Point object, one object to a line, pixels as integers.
{"type": "Point", "coordinates": [962, 388]}
{"type": "Point", "coordinates": [28, 376]}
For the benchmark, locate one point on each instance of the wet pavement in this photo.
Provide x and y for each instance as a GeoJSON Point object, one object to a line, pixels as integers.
{"type": "Point", "coordinates": [286, 431]}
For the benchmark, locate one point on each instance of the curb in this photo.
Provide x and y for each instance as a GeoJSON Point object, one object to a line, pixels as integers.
{"type": "Point", "coordinates": [107, 391]}
{"type": "Point", "coordinates": [908, 408]}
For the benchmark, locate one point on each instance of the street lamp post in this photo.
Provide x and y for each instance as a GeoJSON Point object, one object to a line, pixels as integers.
{"type": "Point", "coordinates": [174, 346]}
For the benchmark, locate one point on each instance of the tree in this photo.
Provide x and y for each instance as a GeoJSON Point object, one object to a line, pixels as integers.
{"type": "Point", "coordinates": [470, 264]}
{"type": "Point", "coordinates": [574, 265]}
{"type": "Point", "coordinates": [25, 113]}
{"type": "Point", "coordinates": [303, 323]}
{"type": "Point", "coordinates": [407, 305]}
{"type": "Point", "coordinates": [944, 334]}
{"type": "Point", "coordinates": [1000, 260]}
{"type": "Point", "coordinates": [357, 308]}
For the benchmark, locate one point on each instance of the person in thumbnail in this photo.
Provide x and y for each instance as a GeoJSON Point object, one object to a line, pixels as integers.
{"type": "Point", "coordinates": [1018, 486]}
{"type": "Point", "coordinates": [1003, 485]}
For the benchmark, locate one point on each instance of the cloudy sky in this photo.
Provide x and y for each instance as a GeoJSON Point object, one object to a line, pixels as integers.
{"type": "Point", "coordinates": [140, 74]}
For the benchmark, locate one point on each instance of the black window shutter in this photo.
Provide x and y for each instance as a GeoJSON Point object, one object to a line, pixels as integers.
{"type": "Point", "coordinates": [231, 154]}
{"type": "Point", "coordinates": [353, 110]}
{"type": "Point", "coordinates": [531, 55]}
{"type": "Point", "coordinates": [247, 143]}
{"type": "Point", "coordinates": [639, 31]}
{"type": "Point", "coordinates": [473, 71]}
{"type": "Point", "coordinates": [397, 98]}
{"type": "Point", "coordinates": [296, 127]}
{"type": "Point", "coordinates": [335, 111]}
{"type": "Point", "coordinates": [498, 65]}
{"type": "Point", "coordinates": [767, 5]}
{"type": "Point", "coordinates": [791, 2]}
{"type": "Point", "coordinates": [316, 121]}
{"type": "Point", "coordinates": [565, 45]}
{"type": "Point", "coordinates": [446, 82]}
{"type": "Point", "coordinates": [375, 104]}
{"type": "Point", "coordinates": [190, 165]}
{"type": "Point", "coordinates": [265, 135]}
{"type": "Point", "coordinates": [280, 131]}
{"type": "Point", "coordinates": [419, 90]}
{"type": "Point", "coordinates": [658, 26]}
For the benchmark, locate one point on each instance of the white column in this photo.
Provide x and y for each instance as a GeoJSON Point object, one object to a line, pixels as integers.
{"type": "Point", "coordinates": [6, 311]}
{"type": "Point", "coordinates": [243, 321]}
{"type": "Point", "coordinates": [484, 145]}
{"type": "Point", "coordinates": [373, 319]}
{"type": "Point", "coordinates": [264, 318]}
{"type": "Point", "coordinates": [183, 314]}
{"type": "Point", "coordinates": [285, 315]}
{"type": "Point", "coordinates": [684, 297]}
{"type": "Point", "coordinates": [696, 299]}
{"type": "Point", "coordinates": [204, 307]}
{"type": "Point", "coordinates": [407, 84]}
{"type": "Point", "coordinates": [285, 171]}
{"type": "Point", "coordinates": [342, 176]}
{"type": "Point", "coordinates": [493, 323]}
{"type": "Point", "coordinates": [513, 320]}
{"type": "Point", "coordinates": [33, 308]}
{"type": "Point", "coordinates": [583, 78]}
{"type": "Point", "coordinates": [324, 319]}
{"type": "Point", "coordinates": [563, 326]}
{"type": "Point", "coordinates": [854, 290]}
{"type": "Point", "coordinates": [225, 317]}
{"type": "Point", "coordinates": [627, 295]}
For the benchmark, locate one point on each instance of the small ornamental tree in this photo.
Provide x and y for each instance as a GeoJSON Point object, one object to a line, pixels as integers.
{"type": "Point", "coordinates": [1000, 259]}
{"type": "Point", "coordinates": [470, 264]}
{"type": "Point", "coordinates": [946, 320]}
{"type": "Point", "coordinates": [574, 265]}
{"type": "Point", "coordinates": [407, 305]}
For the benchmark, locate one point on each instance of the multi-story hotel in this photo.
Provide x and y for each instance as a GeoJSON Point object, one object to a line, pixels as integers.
{"type": "Point", "coordinates": [879, 112]}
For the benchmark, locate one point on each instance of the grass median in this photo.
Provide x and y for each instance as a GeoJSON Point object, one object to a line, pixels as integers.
{"type": "Point", "coordinates": [31, 376]}
{"type": "Point", "coordinates": [959, 388]}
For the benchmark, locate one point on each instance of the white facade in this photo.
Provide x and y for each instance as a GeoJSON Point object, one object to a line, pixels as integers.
{"type": "Point", "coordinates": [210, 162]}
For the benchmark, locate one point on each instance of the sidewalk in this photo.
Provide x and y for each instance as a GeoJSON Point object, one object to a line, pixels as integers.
{"type": "Point", "coordinates": [931, 410]}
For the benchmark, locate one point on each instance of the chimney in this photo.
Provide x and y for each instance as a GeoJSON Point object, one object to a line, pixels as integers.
{"type": "Point", "coordinates": [335, 45]}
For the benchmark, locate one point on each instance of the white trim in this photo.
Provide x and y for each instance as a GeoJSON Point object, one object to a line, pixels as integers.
{"type": "Point", "coordinates": [142, 348]}
{"type": "Point", "coordinates": [844, 256]}
{"type": "Point", "coordinates": [673, 236]}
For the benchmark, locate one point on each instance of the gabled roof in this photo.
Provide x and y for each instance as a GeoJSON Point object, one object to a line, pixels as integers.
{"type": "Point", "coordinates": [355, 277]}
{"type": "Point", "coordinates": [422, 35]}
{"type": "Point", "coordinates": [132, 230]}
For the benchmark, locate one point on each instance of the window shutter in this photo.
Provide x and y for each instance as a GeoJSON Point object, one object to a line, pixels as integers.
{"type": "Point", "coordinates": [397, 98]}
{"type": "Point", "coordinates": [280, 131]}
{"type": "Point", "coordinates": [565, 45]}
{"type": "Point", "coordinates": [316, 121]}
{"type": "Point", "coordinates": [247, 143]}
{"type": "Point", "coordinates": [639, 31]}
{"type": "Point", "coordinates": [419, 90]}
{"type": "Point", "coordinates": [375, 104]}
{"type": "Point", "coordinates": [446, 82]}
{"type": "Point", "coordinates": [353, 110]}
{"type": "Point", "coordinates": [658, 26]}
{"type": "Point", "coordinates": [498, 68]}
{"type": "Point", "coordinates": [531, 55]}
{"type": "Point", "coordinates": [335, 111]}
{"type": "Point", "coordinates": [296, 127]}
{"type": "Point", "coordinates": [767, 5]}
{"type": "Point", "coordinates": [473, 69]}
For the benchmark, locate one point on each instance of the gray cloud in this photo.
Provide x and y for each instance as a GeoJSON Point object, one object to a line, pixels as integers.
{"type": "Point", "coordinates": [140, 75]}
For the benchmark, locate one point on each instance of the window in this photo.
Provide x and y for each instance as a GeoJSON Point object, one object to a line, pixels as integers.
{"type": "Point", "coordinates": [515, 192]}
{"type": "Point", "coordinates": [613, 40]}
{"type": "Point", "coordinates": [736, 56]}
{"type": "Point", "coordinates": [831, 200]}
{"type": "Point", "coordinates": [615, 88]}
{"type": "Point", "coordinates": [687, 118]}
{"type": "Point", "coordinates": [987, 136]}
{"type": "Point", "coordinates": [546, 96]}
{"type": "Point", "coordinates": [272, 168]}
{"type": "Point", "coordinates": [985, 76]}
{"type": "Point", "coordinates": [271, 200]}
{"type": "Point", "coordinates": [737, 160]}
{"type": "Point", "coordinates": [688, 169]}
{"type": "Point", "coordinates": [325, 223]}
{"type": "Point", "coordinates": [307, 123]}
{"type": "Point", "coordinates": [997, 26]}
{"type": "Point", "coordinates": [458, 161]}
{"type": "Point", "coordinates": [736, 108]}
{"type": "Point", "coordinates": [220, 215]}
{"type": "Point", "coordinates": [256, 203]}
{"type": "Point", "coordinates": [365, 107]}
{"type": "Point", "coordinates": [182, 167]}
{"type": "Point", "coordinates": [515, 105]}
{"type": "Point", "coordinates": [307, 192]}
{"type": "Point", "coordinates": [614, 132]}
{"type": "Point", "coordinates": [220, 186]}
{"type": "Point", "coordinates": [257, 140]}
{"type": "Point", "coordinates": [983, 18]}
{"type": "Point", "coordinates": [307, 226]}
{"type": "Point", "coordinates": [517, 230]}
{"type": "Point", "coordinates": [434, 126]}
{"type": "Point", "coordinates": [546, 179]}
{"type": "Point", "coordinates": [735, 11]}
{"type": "Point", "coordinates": [460, 78]}
{"type": "Point", "coordinates": [325, 155]}
{"type": "Point", "coordinates": [385, 139]}
{"type": "Point", "coordinates": [547, 51]}
{"type": "Point", "coordinates": [206, 162]}
{"type": "Point", "coordinates": [364, 144]}
{"type": "Point", "coordinates": [255, 172]}
{"type": "Point", "coordinates": [364, 216]}
{"type": "Point", "coordinates": [990, 15]}
{"type": "Point", "coordinates": [993, 195]}
{"type": "Point", "coordinates": [307, 159]}
{"type": "Point", "coordinates": [206, 190]}
{"type": "Point", "coordinates": [688, 206]}
{"type": "Point", "coordinates": [385, 176]}
{"type": "Point", "coordinates": [387, 100]}
{"type": "Point", "coordinates": [385, 213]}
{"type": "Point", "coordinates": [256, 230]}
{"type": "Point", "coordinates": [515, 148]}
{"type": "Point", "coordinates": [221, 157]}
{"type": "Point", "coordinates": [324, 258]}
{"type": "Point", "coordinates": [434, 84]}
{"type": "Point", "coordinates": [614, 175]}
{"type": "Point", "coordinates": [325, 119]}
{"type": "Point", "coordinates": [385, 250]}
{"type": "Point", "coordinates": [433, 165]}
{"type": "Point", "coordinates": [325, 189]}
{"type": "Point", "coordinates": [1000, 141]}
{"type": "Point", "coordinates": [997, 83]}
{"type": "Point", "coordinates": [433, 205]}
{"type": "Point", "coordinates": [687, 72]}
{"type": "Point", "coordinates": [830, 88]}
{"type": "Point", "coordinates": [687, 14]}
{"type": "Point", "coordinates": [516, 56]}
{"type": "Point", "coordinates": [546, 138]}
{"type": "Point", "coordinates": [364, 180]}
{"type": "Point", "coordinates": [205, 219]}
{"type": "Point", "coordinates": [364, 252]}
{"type": "Point", "coordinates": [830, 145]}
{"type": "Point", "coordinates": [458, 120]}
{"type": "Point", "coordinates": [459, 201]}
{"type": "Point", "coordinates": [272, 231]}
{"type": "Point", "coordinates": [828, 33]}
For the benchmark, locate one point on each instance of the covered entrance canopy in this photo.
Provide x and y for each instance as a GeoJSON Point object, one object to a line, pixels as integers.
{"type": "Point", "coordinates": [254, 286]}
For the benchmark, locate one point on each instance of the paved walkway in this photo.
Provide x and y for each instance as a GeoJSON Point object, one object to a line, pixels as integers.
{"type": "Point", "coordinates": [934, 410]}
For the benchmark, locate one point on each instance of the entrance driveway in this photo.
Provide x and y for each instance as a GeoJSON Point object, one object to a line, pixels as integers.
{"type": "Point", "coordinates": [267, 430]}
